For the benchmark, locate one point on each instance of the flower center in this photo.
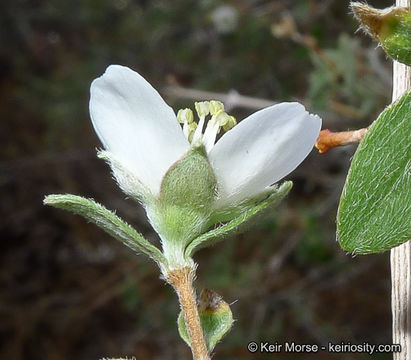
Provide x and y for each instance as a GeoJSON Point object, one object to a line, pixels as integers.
{"type": "Point", "coordinates": [193, 131]}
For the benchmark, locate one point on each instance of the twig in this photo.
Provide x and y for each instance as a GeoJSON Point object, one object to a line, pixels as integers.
{"type": "Point", "coordinates": [401, 255]}
{"type": "Point", "coordinates": [231, 100]}
{"type": "Point", "coordinates": [328, 139]}
{"type": "Point", "coordinates": [182, 281]}
{"type": "Point", "coordinates": [287, 28]}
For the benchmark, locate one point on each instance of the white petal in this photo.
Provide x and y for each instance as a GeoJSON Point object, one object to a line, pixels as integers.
{"type": "Point", "coordinates": [261, 150]}
{"type": "Point", "coordinates": [135, 124]}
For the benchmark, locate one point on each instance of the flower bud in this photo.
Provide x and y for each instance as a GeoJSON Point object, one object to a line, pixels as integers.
{"type": "Point", "coordinates": [184, 207]}
{"type": "Point", "coordinates": [391, 27]}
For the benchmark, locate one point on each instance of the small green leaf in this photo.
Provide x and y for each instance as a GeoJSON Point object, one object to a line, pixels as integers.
{"type": "Point", "coordinates": [108, 221]}
{"type": "Point", "coordinates": [213, 236]}
{"type": "Point", "coordinates": [375, 207]}
{"type": "Point", "coordinates": [215, 317]}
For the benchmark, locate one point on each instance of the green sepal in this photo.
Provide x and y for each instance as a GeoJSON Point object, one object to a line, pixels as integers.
{"type": "Point", "coordinates": [375, 207]}
{"type": "Point", "coordinates": [390, 27]}
{"type": "Point", "coordinates": [215, 317]}
{"type": "Point", "coordinates": [190, 182]}
{"type": "Point", "coordinates": [186, 197]}
{"type": "Point", "coordinates": [213, 236]}
{"type": "Point", "coordinates": [108, 221]}
{"type": "Point", "coordinates": [125, 179]}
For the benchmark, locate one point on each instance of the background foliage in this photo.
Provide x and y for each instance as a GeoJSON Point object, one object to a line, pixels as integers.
{"type": "Point", "coordinates": [71, 292]}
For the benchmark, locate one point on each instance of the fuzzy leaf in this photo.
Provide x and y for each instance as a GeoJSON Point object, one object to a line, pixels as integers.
{"type": "Point", "coordinates": [106, 220]}
{"type": "Point", "coordinates": [213, 236]}
{"type": "Point", "coordinates": [375, 207]}
{"type": "Point", "coordinates": [215, 317]}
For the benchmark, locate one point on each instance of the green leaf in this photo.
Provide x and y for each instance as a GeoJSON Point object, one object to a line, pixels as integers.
{"type": "Point", "coordinates": [213, 236]}
{"type": "Point", "coordinates": [108, 221]}
{"type": "Point", "coordinates": [215, 317]}
{"type": "Point", "coordinates": [375, 207]}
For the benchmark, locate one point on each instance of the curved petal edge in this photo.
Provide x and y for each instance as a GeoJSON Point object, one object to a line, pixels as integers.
{"type": "Point", "coordinates": [261, 150]}
{"type": "Point", "coordinates": [136, 125]}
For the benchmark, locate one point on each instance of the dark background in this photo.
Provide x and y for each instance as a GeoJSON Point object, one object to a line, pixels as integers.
{"type": "Point", "coordinates": [68, 291]}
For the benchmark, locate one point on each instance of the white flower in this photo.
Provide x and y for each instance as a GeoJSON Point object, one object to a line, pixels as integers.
{"type": "Point", "coordinates": [144, 140]}
{"type": "Point", "coordinates": [142, 133]}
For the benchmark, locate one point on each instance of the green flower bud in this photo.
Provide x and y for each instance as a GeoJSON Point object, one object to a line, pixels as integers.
{"type": "Point", "coordinates": [184, 208]}
{"type": "Point", "coordinates": [215, 317]}
{"type": "Point", "coordinates": [391, 27]}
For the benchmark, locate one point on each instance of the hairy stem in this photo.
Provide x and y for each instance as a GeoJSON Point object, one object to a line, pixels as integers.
{"type": "Point", "coordinates": [182, 281]}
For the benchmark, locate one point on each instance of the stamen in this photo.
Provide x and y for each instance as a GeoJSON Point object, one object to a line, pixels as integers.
{"type": "Point", "coordinates": [230, 123]}
{"type": "Point", "coordinates": [210, 133]}
{"type": "Point", "coordinates": [219, 119]}
{"type": "Point", "coordinates": [199, 130]}
{"type": "Point", "coordinates": [191, 130]}
{"type": "Point", "coordinates": [215, 107]}
{"type": "Point", "coordinates": [185, 115]}
{"type": "Point", "coordinates": [202, 108]}
{"type": "Point", "coordinates": [222, 117]}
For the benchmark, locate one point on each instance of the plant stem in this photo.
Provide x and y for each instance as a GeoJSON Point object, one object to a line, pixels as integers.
{"type": "Point", "coordinates": [401, 255]}
{"type": "Point", "coordinates": [328, 139]}
{"type": "Point", "coordinates": [182, 281]}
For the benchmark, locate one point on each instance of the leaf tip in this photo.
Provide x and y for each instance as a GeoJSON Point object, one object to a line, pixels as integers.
{"type": "Point", "coordinates": [49, 199]}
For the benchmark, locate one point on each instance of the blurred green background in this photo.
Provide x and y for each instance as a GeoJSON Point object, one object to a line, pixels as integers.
{"type": "Point", "coordinates": [68, 291]}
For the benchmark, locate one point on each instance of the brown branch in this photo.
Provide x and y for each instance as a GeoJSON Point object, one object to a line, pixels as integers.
{"type": "Point", "coordinates": [182, 281]}
{"type": "Point", "coordinates": [287, 28]}
{"type": "Point", "coordinates": [328, 139]}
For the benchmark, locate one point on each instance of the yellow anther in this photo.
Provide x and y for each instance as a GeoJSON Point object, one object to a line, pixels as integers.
{"type": "Point", "coordinates": [185, 115]}
{"type": "Point", "coordinates": [202, 108]}
{"type": "Point", "coordinates": [221, 118]}
{"type": "Point", "coordinates": [230, 123]}
{"type": "Point", "coordinates": [216, 106]}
